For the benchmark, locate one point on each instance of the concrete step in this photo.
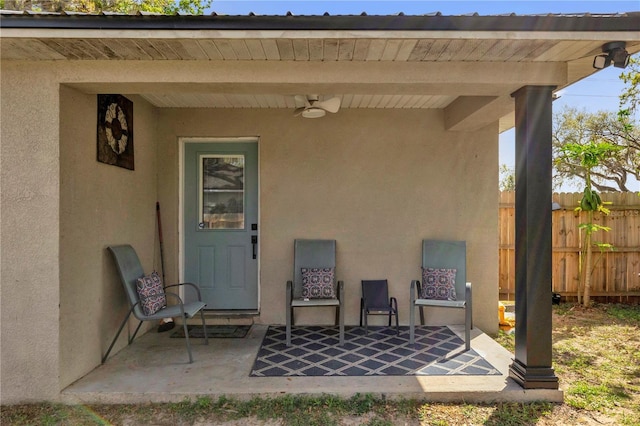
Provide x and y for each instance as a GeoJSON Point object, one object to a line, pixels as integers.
{"type": "Point", "coordinates": [235, 317]}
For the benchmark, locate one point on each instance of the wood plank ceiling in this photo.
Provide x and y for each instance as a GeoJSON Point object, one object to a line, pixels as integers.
{"type": "Point", "coordinates": [335, 46]}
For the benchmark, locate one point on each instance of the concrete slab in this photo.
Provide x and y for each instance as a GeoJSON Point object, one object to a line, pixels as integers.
{"type": "Point", "coordinates": [155, 368]}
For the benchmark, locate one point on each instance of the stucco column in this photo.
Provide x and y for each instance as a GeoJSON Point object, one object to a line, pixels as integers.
{"type": "Point", "coordinates": [532, 365]}
{"type": "Point", "coordinates": [29, 259]}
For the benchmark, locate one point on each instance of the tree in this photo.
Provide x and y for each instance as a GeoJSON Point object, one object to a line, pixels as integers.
{"type": "Point", "coordinates": [590, 157]}
{"type": "Point", "coordinates": [167, 7]}
{"type": "Point", "coordinates": [507, 178]}
{"type": "Point", "coordinates": [574, 127]}
{"type": "Point", "coordinates": [631, 96]}
{"type": "Point", "coordinates": [617, 128]}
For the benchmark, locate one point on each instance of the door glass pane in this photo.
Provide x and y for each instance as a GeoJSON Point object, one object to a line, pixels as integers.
{"type": "Point", "coordinates": [222, 192]}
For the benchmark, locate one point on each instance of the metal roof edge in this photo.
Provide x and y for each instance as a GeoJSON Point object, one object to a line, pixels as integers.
{"type": "Point", "coordinates": [629, 21]}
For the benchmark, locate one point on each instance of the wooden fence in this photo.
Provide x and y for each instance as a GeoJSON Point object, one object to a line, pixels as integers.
{"type": "Point", "coordinates": [616, 275]}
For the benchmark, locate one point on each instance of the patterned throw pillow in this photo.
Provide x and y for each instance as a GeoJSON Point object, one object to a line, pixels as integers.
{"type": "Point", "coordinates": [317, 283]}
{"type": "Point", "coordinates": [150, 286]}
{"type": "Point", "coordinates": [438, 284]}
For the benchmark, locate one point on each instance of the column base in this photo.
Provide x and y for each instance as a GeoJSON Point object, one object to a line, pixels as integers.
{"type": "Point", "coordinates": [533, 377]}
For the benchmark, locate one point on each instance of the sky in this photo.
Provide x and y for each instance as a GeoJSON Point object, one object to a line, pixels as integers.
{"type": "Point", "coordinates": [599, 92]}
{"type": "Point", "coordinates": [372, 7]}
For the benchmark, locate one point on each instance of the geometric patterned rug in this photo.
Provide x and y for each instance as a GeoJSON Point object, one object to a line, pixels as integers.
{"type": "Point", "coordinates": [314, 351]}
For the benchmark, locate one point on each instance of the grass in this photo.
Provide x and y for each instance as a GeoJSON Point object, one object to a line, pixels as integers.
{"type": "Point", "coordinates": [596, 354]}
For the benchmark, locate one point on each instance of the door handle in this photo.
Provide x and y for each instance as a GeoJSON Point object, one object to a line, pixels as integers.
{"type": "Point", "coordinates": [254, 242]}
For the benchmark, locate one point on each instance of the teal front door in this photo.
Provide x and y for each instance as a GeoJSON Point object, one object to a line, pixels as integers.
{"type": "Point", "coordinates": [221, 223]}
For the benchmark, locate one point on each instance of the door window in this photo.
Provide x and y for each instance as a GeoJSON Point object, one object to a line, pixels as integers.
{"type": "Point", "coordinates": [221, 191]}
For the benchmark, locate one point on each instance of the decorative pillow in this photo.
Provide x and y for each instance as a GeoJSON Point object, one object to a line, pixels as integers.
{"type": "Point", "coordinates": [439, 284]}
{"type": "Point", "coordinates": [317, 283]}
{"type": "Point", "coordinates": [151, 293]}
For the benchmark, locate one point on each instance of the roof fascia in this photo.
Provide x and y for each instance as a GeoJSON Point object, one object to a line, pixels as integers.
{"type": "Point", "coordinates": [629, 21]}
{"type": "Point", "coordinates": [44, 33]}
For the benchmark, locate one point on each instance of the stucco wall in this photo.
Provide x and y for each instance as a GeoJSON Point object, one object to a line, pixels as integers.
{"type": "Point", "coordinates": [30, 233]}
{"type": "Point", "coordinates": [377, 181]}
{"type": "Point", "coordinates": [100, 205]}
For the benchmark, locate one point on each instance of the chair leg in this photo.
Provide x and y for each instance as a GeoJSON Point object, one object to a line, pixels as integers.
{"type": "Point", "coordinates": [361, 310]}
{"type": "Point", "coordinates": [467, 328]}
{"type": "Point", "coordinates": [133, 336]}
{"type": "Point", "coordinates": [204, 327]}
{"type": "Point", "coordinates": [289, 321]}
{"type": "Point", "coordinates": [366, 324]}
{"type": "Point", "coordinates": [113, 342]}
{"type": "Point", "coordinates": [397, 324]}
{"type": "Point", "coordinates": [341, 317]}
{"type": "Point", "coordinates": [186, 337]}
{"type": "Point", "coordinates": [412, 323]}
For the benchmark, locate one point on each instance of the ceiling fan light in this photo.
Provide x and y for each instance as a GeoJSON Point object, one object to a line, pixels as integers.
{"type": "Point", "coordinates": [313, 113]}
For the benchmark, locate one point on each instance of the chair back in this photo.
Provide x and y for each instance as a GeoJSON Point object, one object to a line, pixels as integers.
{"type": "Point", "coordinates": [447, 255]}
{"type": "Point", "coordinates": [375, 293]}
{"type": "Point", "coordinates": [129, 269]}
{"type": "Point", "coordinates": [311, 254]}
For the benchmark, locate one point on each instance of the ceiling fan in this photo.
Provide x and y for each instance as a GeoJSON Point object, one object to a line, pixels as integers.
{"type": "Point", "coordinates": [313, 107]}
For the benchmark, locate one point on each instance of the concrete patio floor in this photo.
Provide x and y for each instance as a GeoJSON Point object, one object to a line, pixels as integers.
{"type": "Point", "coordinates": [155, 368]}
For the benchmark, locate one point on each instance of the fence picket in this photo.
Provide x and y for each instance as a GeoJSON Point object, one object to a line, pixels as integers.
{"type": "Point", "coordinates": [616, 274]}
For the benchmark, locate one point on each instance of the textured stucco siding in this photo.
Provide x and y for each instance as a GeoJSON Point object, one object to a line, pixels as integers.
{"type": "Point", "coordinates": [30, 192]}
{"type": "Point", "coordinates": [377, 181]}
{"type": "Point", "coordinates": [100, 205]}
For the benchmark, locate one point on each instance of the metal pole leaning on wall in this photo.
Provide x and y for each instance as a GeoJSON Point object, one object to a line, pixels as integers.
{"type": "Point", "coordinates": [167, 323]}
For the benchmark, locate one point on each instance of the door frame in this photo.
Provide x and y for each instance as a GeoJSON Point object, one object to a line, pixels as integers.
{"type": "Point", "coordinates": [182, 142]}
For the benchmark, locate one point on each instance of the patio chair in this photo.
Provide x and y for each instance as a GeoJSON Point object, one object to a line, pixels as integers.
{"type": "Point", "coordinates": [439, 259]}
{"type": "Point", "coordinates": [314, 263]}
{"type": "Point", "coordinates": [375, 300]}
{"type": "Point", "coordinates": [130, 270]}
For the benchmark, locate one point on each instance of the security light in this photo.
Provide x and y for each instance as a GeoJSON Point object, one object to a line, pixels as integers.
{"type": "Point", "coordinates": [613, 52]}
{"type": "Point", "coordinates": [601, 61]}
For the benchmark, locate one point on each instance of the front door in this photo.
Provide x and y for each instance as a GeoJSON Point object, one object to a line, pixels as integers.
{"type": "Point", "coordinates": [221, 223]}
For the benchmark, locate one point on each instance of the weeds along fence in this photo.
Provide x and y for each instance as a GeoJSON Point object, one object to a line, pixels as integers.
{"type": "Point", "coordinates": [616, 273]}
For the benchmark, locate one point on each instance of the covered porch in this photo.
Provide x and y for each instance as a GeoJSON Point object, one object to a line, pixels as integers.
{"type": "Point", "coordinates": [411, 154]}
{"type": "Point", "coordinates": [155, 369]}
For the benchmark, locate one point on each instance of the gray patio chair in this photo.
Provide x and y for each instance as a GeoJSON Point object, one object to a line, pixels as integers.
{"type": "Point", "coordinates": [313, 254]}
{"type": "Point", "coordinates": [375, 300]}
{"type": "Point", "coordinates": [130, 269]}
{"type": "Point", "coordinates": [443, 255]}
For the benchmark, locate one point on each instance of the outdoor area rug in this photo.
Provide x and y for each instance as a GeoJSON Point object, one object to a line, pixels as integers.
{"type": "Point", "coordinates": [314, 351]}
{"type": "Point", "coordinates": [213, 331]}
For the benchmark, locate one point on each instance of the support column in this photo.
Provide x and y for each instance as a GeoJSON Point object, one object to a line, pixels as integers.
{"type": "Point", "coordinates": [533, 251]}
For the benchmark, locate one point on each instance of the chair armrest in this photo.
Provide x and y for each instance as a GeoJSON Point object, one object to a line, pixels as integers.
{"type": "Point", "coordinates": [341, 291]}
{"type": "Point", "coordinates": [180, 302]}
{"type": "Point", "coordinates": [393, 302]}
{"type": "Point", "coordinates": [197, 289]}
{"type": "Point", "coordinates": [413, 291]}
{"type": "Point", "coordinates": [166, 295]}
{"type": "Point", "coordinates": [289, 292]}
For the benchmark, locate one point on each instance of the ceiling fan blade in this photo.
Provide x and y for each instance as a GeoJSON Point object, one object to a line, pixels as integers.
{"type": "Point", "coordinates": [302, 101]}
{"type": "Point", "coordinates": [331, 105]}
{"type": "Point", "coordinates": [298, 111]}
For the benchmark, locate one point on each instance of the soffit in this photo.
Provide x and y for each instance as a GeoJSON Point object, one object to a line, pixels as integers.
{"type": "Point", "coordinates": [325, 42]}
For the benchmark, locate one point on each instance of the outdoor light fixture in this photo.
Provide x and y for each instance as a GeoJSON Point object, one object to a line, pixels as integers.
{"type": "Point", "coordinates": [614, 52]}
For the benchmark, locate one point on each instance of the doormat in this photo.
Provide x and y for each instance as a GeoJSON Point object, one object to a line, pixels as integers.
{"type": "Point", "coordinates": [314, 351]}
{"type": "Point", "coordinates": [214, 331]}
